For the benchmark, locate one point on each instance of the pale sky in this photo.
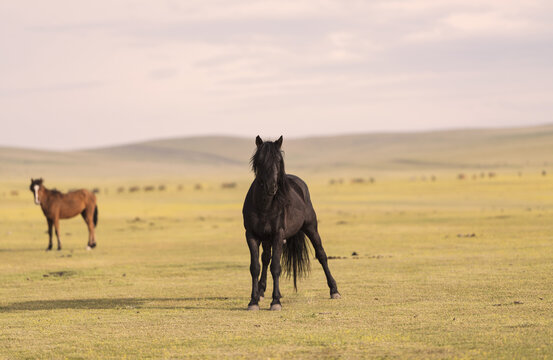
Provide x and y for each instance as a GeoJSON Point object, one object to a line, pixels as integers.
{"type": "Point", "coordinates": [77, 74]}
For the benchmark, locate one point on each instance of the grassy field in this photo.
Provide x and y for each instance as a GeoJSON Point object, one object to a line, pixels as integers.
{"type": "Point", "coordinates": [446, 268]}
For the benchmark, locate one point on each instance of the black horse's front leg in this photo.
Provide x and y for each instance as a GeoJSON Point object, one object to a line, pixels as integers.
{"type": "Point", "coordinates": [253, 244]}
{"type": "Point", "coordinates": [276, 270]}
{"type": "Point", "coordinates": [265, 260]}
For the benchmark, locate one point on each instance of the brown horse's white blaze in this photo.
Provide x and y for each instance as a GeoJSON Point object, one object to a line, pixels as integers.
{"type": "Point", "coordinates": [56, 206]}
{"type": "Point", "coordinates": [35, 188]}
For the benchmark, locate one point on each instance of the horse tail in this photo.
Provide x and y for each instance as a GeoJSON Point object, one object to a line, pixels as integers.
{"type": "Point", "coordinates": [295, 257]}
{"type": "Point", "coordinates": [95, 215]}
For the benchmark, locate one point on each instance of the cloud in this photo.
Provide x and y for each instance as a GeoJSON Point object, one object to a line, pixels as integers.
{"type": "Point", "coordinates": [476, 24]}
{"type": "Point", "coordinates": [56, 88]}
{"type": "Point", "coordinates": [163, 73]}
{"type": "Point", "coordinates": [451, 20]}
{"type": "Point", "coordinates": [370, 64]}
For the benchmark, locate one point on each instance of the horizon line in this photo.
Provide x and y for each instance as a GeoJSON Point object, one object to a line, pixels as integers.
{"type": "Point", "coordinates": [292, 137]}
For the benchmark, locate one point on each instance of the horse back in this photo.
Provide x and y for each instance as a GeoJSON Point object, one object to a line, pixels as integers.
{"type": "Point", "coordinates": [75, 202]}
{"type": "Point", "coordinates": [84, 193]}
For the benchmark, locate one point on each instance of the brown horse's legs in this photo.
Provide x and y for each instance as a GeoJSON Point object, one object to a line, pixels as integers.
{"type": "Point", "coordinates": [275, 271]}
{"type": "Point", "coordinates": [91, 237]}
{"type": "Point", "coordinates": [50, 223]}
{"type": "Point", "coordinates": [253, 244]}
{"type": "Point", "coordinates": [88, 219]}
{"type": "Point", "coordinates": [57, 227]}
{"type": "Point", "coordinates": [313, 235]}
{"type": "Point", "coordinates": [265, 260]}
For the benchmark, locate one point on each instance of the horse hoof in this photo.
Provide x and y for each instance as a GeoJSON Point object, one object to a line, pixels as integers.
{"type": "Point", "coordinates": [253, 307]}
{"type": "Point", "coordinates": [93, 245]}
{"type": "Point", "coordinates": [336, 296]}
{"type": "Point", "coordinates": [276, 307]}
{"type": "Point", "coordinates": [88, 248]}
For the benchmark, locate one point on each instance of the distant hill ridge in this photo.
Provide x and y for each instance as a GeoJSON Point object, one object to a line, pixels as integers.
{"type": "Point", "coordinates": [433, 150]}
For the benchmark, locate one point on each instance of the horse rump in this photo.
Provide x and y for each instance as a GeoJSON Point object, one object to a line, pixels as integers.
{"type": "Point", "coordinates": [295, 257]}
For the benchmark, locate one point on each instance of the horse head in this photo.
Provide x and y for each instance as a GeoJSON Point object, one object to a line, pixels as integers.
{"type": "Point", "coordinates": [37, 189]}
{"type": "Point", "coordinates": [268, 166]}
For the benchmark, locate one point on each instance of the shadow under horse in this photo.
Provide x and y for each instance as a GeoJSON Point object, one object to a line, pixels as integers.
{"type": "Point", "coordinates": [56, 206]}
{"type": "Point", "coordinates": [277, 215]}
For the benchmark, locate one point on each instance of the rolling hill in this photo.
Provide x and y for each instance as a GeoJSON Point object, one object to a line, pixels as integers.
{"type": "Point", "coordinates": [452, 150]}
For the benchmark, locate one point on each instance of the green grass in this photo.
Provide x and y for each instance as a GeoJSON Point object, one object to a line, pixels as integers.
{"type": "Point", "coordinates": [170, 276]}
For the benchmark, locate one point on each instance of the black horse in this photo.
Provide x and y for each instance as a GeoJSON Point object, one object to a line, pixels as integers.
{"type": "Point", "coordinates": [278, 214]}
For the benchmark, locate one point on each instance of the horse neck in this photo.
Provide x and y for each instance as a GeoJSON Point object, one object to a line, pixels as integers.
{"type": "Point", "coordinates": [46, 195]}
{"type": "Point", "coordinates": [262, 202]}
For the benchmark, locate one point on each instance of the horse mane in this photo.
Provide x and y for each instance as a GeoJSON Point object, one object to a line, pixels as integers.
{"type": "Point", "coordinates": [266, 155]}
{"type": "Point", "coordinates": [55, 192]}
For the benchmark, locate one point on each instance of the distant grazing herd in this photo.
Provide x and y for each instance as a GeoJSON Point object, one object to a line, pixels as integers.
{"type": "Point", "coordinates": [233, 185]}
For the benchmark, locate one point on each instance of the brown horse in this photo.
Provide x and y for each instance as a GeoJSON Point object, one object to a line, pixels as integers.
{"type": "Point", "coordinates": [56, 206]}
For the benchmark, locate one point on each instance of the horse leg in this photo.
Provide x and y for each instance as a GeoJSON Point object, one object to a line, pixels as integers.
{"type": "Point", "coordinates": [50, 224]}
{"type": "Point", "coordinates": [311, 231]}
{"type": "Point", "coordinates": [276, 270]}
{"type": "Point", "coordinates": [265, 259]}
{"type": "Point", "coordinates": [87, 216]}
{"type": "Point", "coordinates": [253, 244]}
{"type": "Point", "coordinates": [91, 239]}
{"type": "Point", "coordinates": [57, 227]}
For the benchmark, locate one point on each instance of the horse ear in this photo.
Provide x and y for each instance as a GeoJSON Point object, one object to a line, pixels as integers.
{"type": "Point", "coordinates": [258, 141]}
{"type": "Point", "coordinates": [279, 142]}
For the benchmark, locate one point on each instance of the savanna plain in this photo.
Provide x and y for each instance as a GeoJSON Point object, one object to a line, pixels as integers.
{"type": "Point", "coordinates": [427, 267]}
